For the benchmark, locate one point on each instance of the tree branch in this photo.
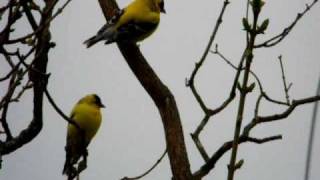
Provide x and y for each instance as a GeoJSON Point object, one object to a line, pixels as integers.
{"type": "Point", "coordinates": [43, 25]}
{"type": "Point", "coordinates": [203, 58]}
{"type": "Point", "coordinates": [285, 86]}
{"type": "Point", "coordinates": [286, 113]}
{"type": "Point", "coordinates": [39, 80]}
{"type": "Point", "coordinates": [207, 167]}
{"type": "Point", "coordinates": [278, 38]}
{"type": "Point", "coordinates": [208, 112]}
{"type": "Point", "coordinates": [161, 96]}
{"type": "Point", "coordinates": [262, 91]}
{"type": "Point", "coordinates": [59, 111]}
{"type": "Point", "coordinates": [243, 93]}
{"type": "Point", "coordinates": [149, 170]}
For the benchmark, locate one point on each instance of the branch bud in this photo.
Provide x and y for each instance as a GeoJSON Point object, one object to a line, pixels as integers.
{"type": "Point", "coordinates": [251, 87]}
{"type": "Point", "coordinates": [239, 164]}
{"type": "Point", "coordinates": [257, 6]}
{"type": "Point", "coordinates": [263, 26]}
{"type": "Point", "coordinates": [246, 25]}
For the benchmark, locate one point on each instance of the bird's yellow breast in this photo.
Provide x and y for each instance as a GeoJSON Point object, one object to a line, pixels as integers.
{"type": "Point", "coordinates": [88, 118]}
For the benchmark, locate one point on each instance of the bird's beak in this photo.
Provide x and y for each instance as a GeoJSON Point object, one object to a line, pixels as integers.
{"type": "Point", "coordinates": [161, 6]}
{"type": "Point", "coordinates": [163, 11]}
{"type": "Point", "coordinates": [102, 105]}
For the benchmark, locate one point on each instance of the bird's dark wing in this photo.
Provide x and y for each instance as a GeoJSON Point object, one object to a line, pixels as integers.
{"type": "Point", "coordinates": [135, 31]}
{"type": "Point", "coordinates": [111, 22]}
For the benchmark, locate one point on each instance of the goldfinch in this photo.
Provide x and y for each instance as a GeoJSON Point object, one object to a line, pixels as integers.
{"type": "Point", "coordinates": [132, 24]}
{"type": "Point", "coordinates": [86, 114]}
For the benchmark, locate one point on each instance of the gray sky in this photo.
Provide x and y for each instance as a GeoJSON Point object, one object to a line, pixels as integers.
{"type": "Point", "coordinates": [131, 136]}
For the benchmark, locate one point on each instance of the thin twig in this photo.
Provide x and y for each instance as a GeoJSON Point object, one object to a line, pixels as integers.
{"type": "Point", "coordinates": [5, 7]}
{"type": "Point", "coordinates": [27, 86]}
{"type": "Point", "coordinates": [262, 91]}
{"type": "Point", "coordinates": [253, 123]}
{"type": "Point", "coordinates": [10, 92]}
{"type": "Point", "coordinates": [217, 110]}
{"type": "Point", "coordinates": [21, 75]}
{"type": "Point", "coordinates": [289, 110]}
{"type": "Point", "coordinates": [243, 93]}
{"type": "Point", "coordinates": [203, 58]}
{"type": "Point", "coordinates": [149, 170]}
{"type": "Point", "coordinates": [273, 100]}
{"type": "Point", "coordinates": [8, 75]}
{"type": "Point", "coordinates": [29, 15]}
{"type": "Point", "coordinates": [247, 17]}
{"type": "Point", "coordinates": [200, 147]}
{"type": "Point", "coordinates": [59, 111]}
{"type": "Point", "coordinates": [13, 16]}
{"type": "Point", "coordinates": [286, 89]}
{"type": "Point", "coordinates": [264, 140]}
{"type": "Point", "coordinates": [207, 167]}
{"type": "Point", "coordinates": [278, 38]}
{"type": "Point", "coordinates": [208, 112]}
{"type": "Point", "coordinates": [42, 26]}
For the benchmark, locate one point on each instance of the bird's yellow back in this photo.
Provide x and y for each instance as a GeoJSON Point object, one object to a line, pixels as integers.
{"type": "Point", "coordinates": [134, 23]}
{"type": "Point", "coordinates": [140, 11]}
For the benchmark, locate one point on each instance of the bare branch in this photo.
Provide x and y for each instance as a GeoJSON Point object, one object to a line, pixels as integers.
{"type": "Point", "coordinates": [210, 112]}
{"type": "Point", "coordinates": [20, 75]}
{"type": "Point", "coordinates": [286, 88]}
{"type": "Point", "coordinates": [207, 167]}
{"type": "Point", "coordinates": [286, 113]}
{"type": "Point", "coordinates": [13, 16]}
{"type": "Point", "coordinates": [200, 147]}
{"type": "Point", "coordinates": [243, 92]}
{"type": "Point", "coordinates": [59, 111]}
{"type": "Point", "coordinates": [278, 38]}
{"type": "Point", "coordinates": [203, 58]}
{"type": "Point", "coordinates": [39, 81]}
{"type": "Point", "coordinates": [42, 25]}
{"type": "Point", "coordinates": [29, 15]}
{"type": "Point", "coordinates": [273, 100]}
{"type": "Point", "coordinates": [264, 140]}
{"type": "Point", "coordinates": [27, 86]}
{"type": "Point", "coordinates": [232, 93]}
{"type": "Point", "coordinates": [149, 170]}
{"type": "Point", "coordinates": [10, 92]}
{"type": "Point", "coordinates": [262, 91]}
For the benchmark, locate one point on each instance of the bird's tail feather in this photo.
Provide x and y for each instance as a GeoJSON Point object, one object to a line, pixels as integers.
{"type": "Point", "coordinates": [66, 167]}
{"type": "Point", "coordinates": [106, 33]}
{"type": "Point", "coordinates": [91, 41]}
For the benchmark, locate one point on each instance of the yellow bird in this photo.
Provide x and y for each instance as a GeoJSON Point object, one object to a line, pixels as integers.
{"type": "Point", "coordinates": [132, 24]}
{"type": "Point", "coordinates": [86, 114]}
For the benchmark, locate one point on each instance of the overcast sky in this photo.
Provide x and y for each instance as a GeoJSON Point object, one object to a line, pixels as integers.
{"type": "Point", "coordinates": [131, 136]}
